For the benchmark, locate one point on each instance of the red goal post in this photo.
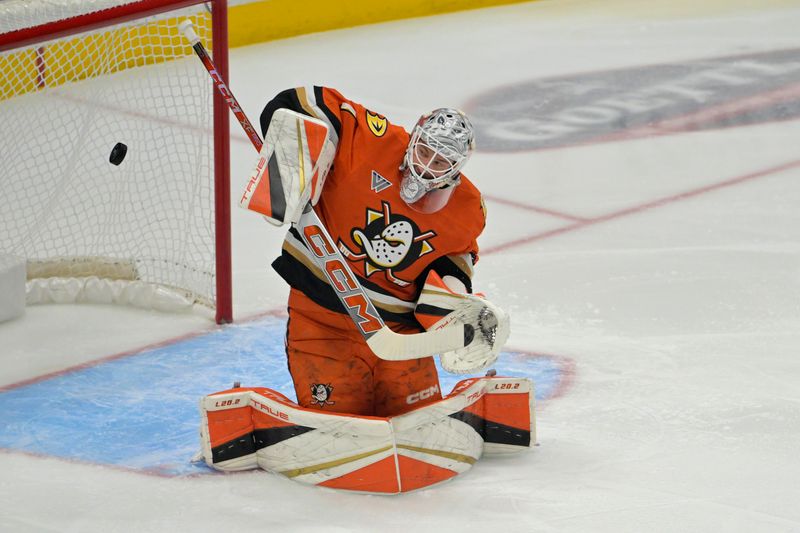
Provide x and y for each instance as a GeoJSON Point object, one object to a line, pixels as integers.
{"type": "Point", "coordinates": [77, 77]}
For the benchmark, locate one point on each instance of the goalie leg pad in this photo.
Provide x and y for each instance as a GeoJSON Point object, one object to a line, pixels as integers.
{"type": "Point", "coordinates": [226, 431]}
{"type": "Point", "coordinates": [368, 454]}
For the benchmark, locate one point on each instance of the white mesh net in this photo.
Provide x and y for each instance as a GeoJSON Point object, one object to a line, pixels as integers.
{"type": "Point", "coordinates": [64, 104]}
{"type": "Point", "coordinates": [19, 14]}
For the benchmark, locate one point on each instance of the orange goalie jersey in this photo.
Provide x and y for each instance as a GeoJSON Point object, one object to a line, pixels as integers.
{"type": "Point", "coordinates": [390, 246]}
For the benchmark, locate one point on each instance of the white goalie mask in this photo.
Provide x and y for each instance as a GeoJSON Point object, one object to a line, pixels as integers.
{"type": "Point", "coordinates": [441, 143]}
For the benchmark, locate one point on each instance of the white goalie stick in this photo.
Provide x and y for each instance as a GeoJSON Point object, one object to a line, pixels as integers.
{"type": "Point", "coordinates": [383, 342]}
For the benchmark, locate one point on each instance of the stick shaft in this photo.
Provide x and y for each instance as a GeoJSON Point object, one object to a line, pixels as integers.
{"type": "Point", "coordinates": [251, 132]}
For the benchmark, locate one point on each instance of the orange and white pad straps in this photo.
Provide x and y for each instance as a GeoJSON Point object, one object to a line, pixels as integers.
{"type": "Point", "coordinates": [291, 167]}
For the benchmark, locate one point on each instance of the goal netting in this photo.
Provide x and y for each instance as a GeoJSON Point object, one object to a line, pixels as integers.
{"type": "Point", "coordinates": [76, 78]}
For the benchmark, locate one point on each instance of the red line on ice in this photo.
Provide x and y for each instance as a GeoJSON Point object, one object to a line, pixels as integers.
{"type": "Point", "coordinates": [642, 207]}
{"type": "Point", "coordinates": [95, 362]}
{"type": "Point", "coordinates": [528, 207]}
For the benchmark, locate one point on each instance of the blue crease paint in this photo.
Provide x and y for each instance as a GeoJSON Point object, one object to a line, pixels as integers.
{"type": "Point", "coordinates": [142, 411]}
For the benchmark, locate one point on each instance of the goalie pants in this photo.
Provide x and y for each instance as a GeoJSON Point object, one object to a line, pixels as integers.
{"type": "Point", "coordinates": [333, 369]}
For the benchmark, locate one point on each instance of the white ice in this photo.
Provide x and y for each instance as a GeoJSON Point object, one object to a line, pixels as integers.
{"type": "Point", "coordinates": [682, 320]}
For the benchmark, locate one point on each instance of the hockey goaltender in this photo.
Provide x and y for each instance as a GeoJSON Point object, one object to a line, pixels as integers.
{"type": "Point", "coordinates": [379, 257]}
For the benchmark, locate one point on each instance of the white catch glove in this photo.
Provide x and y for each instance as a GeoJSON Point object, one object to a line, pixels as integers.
{"type": "Point", "coordinates": [440, 307]}
{"type": "Point", "coordinates": [491, 327]}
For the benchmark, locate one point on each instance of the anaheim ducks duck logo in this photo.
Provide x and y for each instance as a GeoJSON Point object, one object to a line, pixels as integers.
{"type": "Point", "coordinates": [320, 394]}
{"type": "Point", "coordinates": [377, 123]}
{"type": "Point", "coordinates": [388, 243]}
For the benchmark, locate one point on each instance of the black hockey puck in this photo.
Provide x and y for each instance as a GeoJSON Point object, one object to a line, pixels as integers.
{"type": "Point", "coordinates": [117, 154]}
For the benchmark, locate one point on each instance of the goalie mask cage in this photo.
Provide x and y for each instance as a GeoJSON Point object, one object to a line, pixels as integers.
{"type": "Point", "coordinates": [77, 77]}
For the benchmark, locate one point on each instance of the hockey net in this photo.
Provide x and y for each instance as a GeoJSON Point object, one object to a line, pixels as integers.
{"type": "Point", "coordinates": [77, 77]}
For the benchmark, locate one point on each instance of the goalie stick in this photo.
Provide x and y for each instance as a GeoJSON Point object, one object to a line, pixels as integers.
{"type": "Point", "coordinates": [383, 342]}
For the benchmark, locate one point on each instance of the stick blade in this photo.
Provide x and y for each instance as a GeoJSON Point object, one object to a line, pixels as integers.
{"type": "Point", "coordinates": [392, 346]}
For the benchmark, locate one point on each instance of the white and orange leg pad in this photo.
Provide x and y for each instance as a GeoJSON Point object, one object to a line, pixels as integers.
{"type": "Point", "coordinates": [248, 428]}
{"type": "Point", "coordinates": [291, 167]}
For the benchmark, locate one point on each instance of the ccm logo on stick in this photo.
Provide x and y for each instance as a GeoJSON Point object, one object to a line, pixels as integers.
{"type": "Point", "coordinates": [342, 281]}
{"type": "Point", "coordinates": [319, 244]}
{"type": "Point", "coordinates": [366, 320]}
{"type": "Point", "coordinates": [338, 274]}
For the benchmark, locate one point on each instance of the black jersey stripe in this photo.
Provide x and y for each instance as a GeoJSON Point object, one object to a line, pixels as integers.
{"type": "Point", "coordinates": [287, 99]}
{"type": "Point", "coordinates": [301, 249]}
{"type": "Point", "coordinates": [445, 266]}
{"type": "Point", "coordinates": [432, 310]}
{"type": "Point", "coordinates": [334, 119]}
{"type": "Point", "coordinates": [299, 277]}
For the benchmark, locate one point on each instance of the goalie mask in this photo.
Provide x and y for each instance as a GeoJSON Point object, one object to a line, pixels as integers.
{"type": "Point", "coordinates": [440, 145]}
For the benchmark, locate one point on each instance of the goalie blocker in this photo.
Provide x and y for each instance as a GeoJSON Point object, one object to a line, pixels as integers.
{"type": "Point", "coordinates": [290, 172]}
{"type": "Point", "coordinates": [248, 428]}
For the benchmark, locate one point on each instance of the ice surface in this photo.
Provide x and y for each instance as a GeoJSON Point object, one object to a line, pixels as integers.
{"type": "Point", "coordinates": [665, 268]}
